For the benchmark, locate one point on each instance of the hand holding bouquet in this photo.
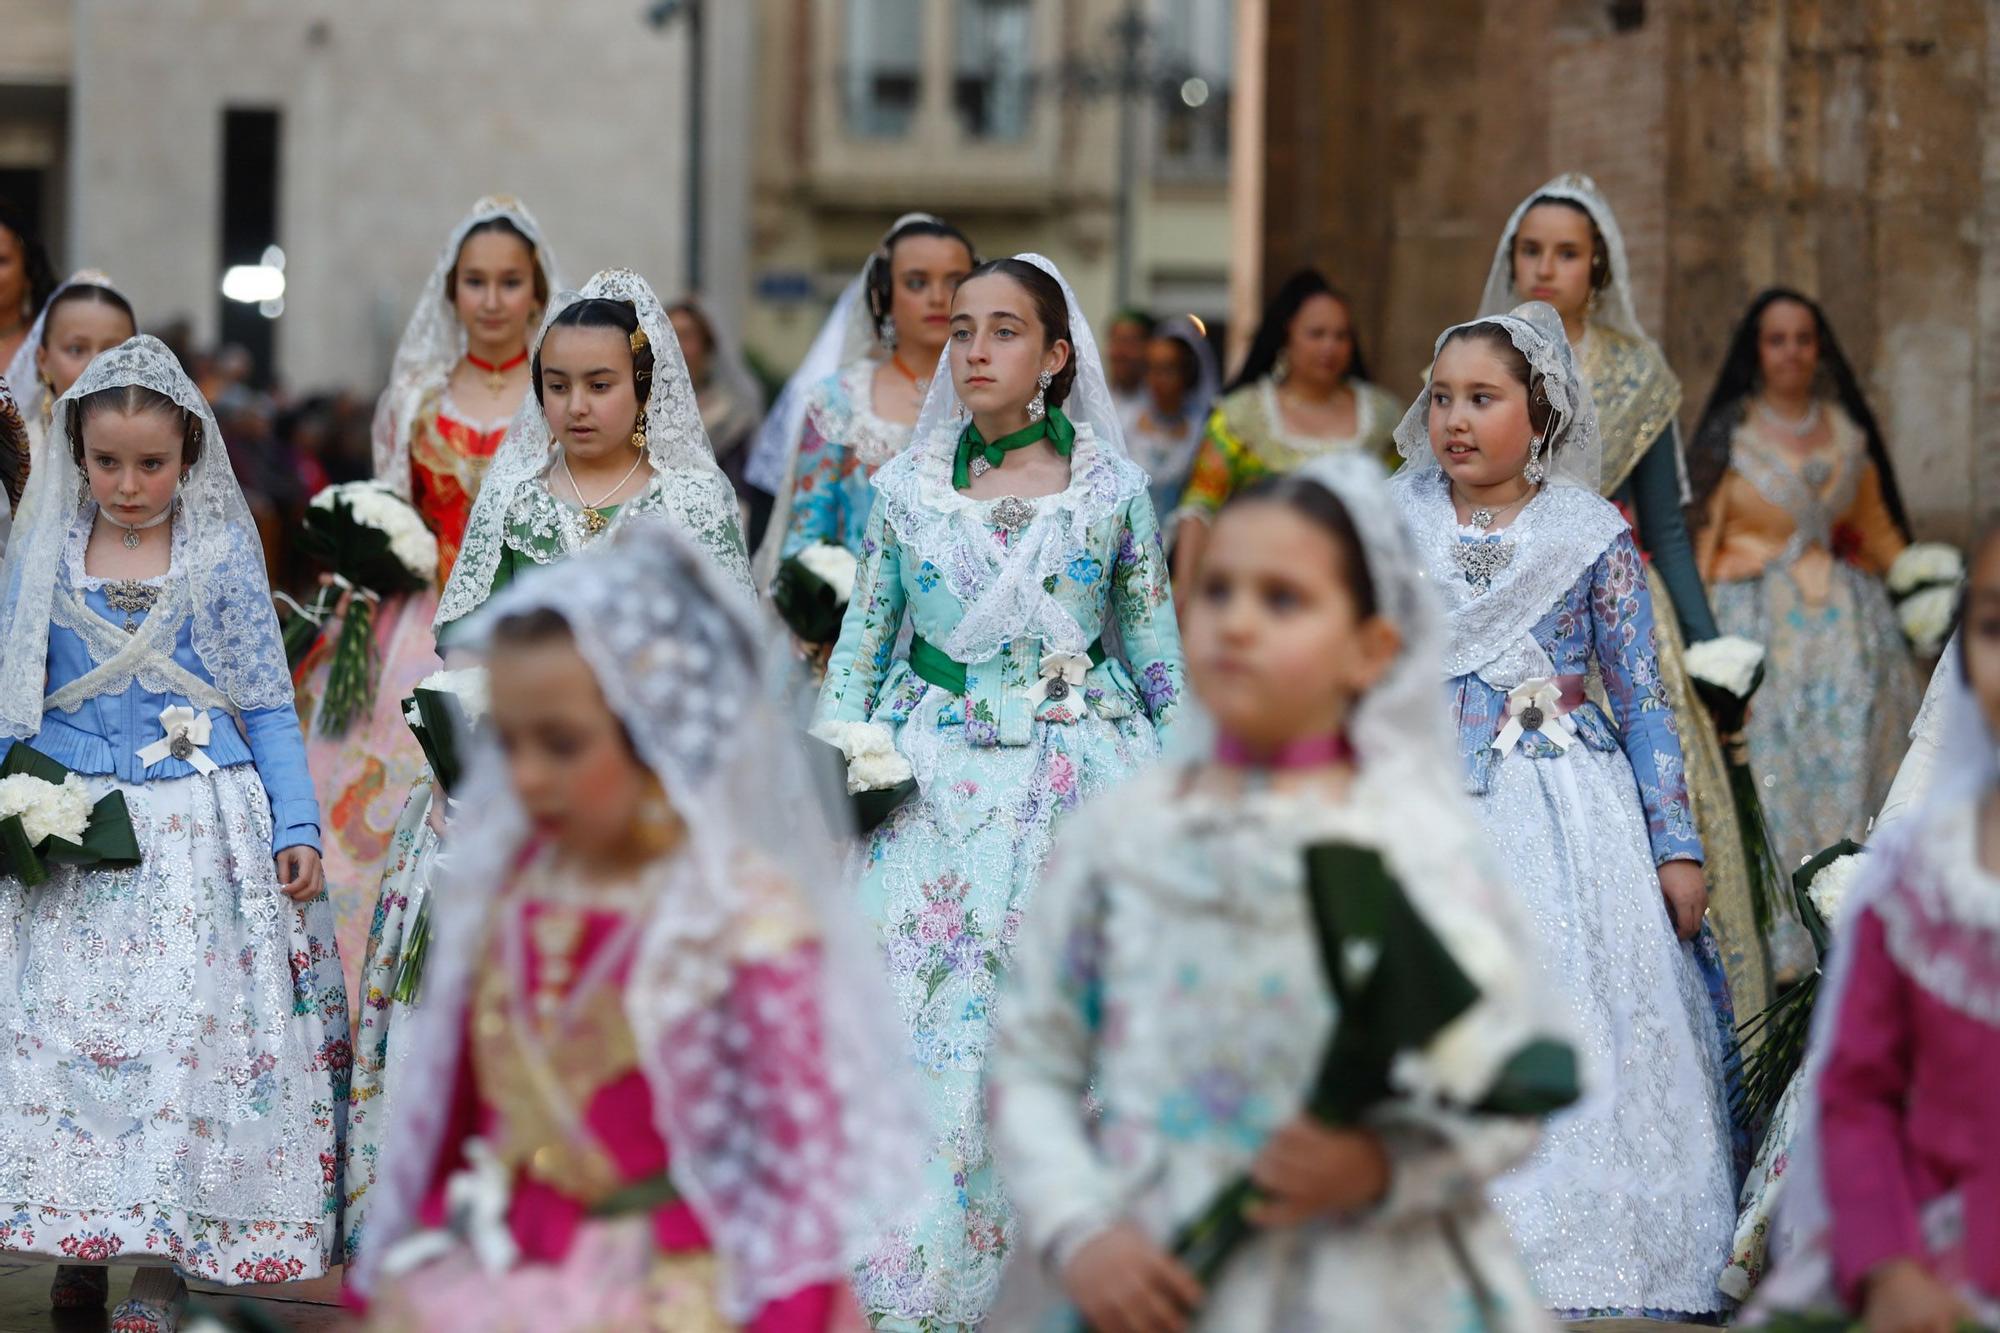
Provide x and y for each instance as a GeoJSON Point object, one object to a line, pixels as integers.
{"type": "Point", "coordinates": [376, 544]}
{"type": "Point", "coordinates": [878, 776]}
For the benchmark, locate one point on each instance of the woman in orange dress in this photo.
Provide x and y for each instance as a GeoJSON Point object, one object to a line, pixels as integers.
{"type": "Point", "coordinates": [459, 375]}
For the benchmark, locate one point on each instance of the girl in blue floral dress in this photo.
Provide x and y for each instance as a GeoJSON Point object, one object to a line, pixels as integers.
{"type": "Point", "coordinates": [1043, 662]}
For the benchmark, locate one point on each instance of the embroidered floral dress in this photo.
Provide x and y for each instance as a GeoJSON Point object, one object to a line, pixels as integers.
{"type": "Point", "coordinates": [551, 1082]}
{"type": "Point", "coordinates": [1247, 438]}
{"type": "Point", "coordinates": [999, 760]}
{"type": "Point", "coordinates": [1833, 716]}
{"type": "Point", "coordinates": [177, 1031]}
{"type": "Point", "coordinates": [843, 443]}
{"type": "Point", "coordinates": [1582, 813]}
{"type": "Point", "coordinates": [365, 775]}
{"type": "Point", "coordinates": [1169, 976]}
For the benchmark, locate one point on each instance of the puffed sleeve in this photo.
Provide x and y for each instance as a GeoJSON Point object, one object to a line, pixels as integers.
{"type": "Point", "coordinates": [817, 495]}
{"type": "Point", "coordinates": [1142, 598]}
{"type": "Point", "coordinates": [1622, 632]}
{"type": "Point", "coordinates": [867, 644]}
{"type": "Point", "coordinates": [1868, 519]}
{"type": "Point", "coordinates": [1041, 1065]}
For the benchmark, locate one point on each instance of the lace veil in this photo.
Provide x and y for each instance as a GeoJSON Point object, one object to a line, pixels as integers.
{"type": "Point", "coordinates": [434, 341]}
{"type": "Point", "coordinates": [694, 491]}
{"type": "Point", "coordinates": [1002, 591]}
{"type": "Point", "coordinates": [786, 1170]}
{"type": "Point", "coordinates": [1614, 308]}
{"type": "Point", "coordinates": [29, 392]}
{"type": "Point", "coordinates": [216, 547]}
{"type": "Point", "coordinates": [1574, 448]}
{"type": "Point", "coordinates": [847, 336]}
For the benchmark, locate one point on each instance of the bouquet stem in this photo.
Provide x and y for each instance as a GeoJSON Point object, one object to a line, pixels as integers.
{"type": "Point", "coordinates": [416, 947]}
{"type": "Point", "coordinates": [350, 682]}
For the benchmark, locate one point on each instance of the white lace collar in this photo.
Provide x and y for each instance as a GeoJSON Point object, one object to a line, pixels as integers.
{"type": "Point", "coordinates": [78, 544]}
{"type": "Point", "coordinates": [844, 413]}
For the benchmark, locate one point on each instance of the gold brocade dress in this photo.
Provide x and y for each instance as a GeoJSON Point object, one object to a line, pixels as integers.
{"type": "Point", "coordinates": [1638, 396]}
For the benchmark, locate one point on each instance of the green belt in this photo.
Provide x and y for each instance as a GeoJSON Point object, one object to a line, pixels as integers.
{"type": "Point", "coordinates": [948, 673]}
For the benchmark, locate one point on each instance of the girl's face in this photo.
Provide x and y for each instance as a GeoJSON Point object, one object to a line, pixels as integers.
{"type": "Point", "coordinates": [997, 352]}
{"type": "Point", "coordinates": [1319, 346]}
{"type": "Point", "coordinates": [924, 273]}
{"type": "Point", "coordinates": [495, 289]}
{"type": "Point", "coordinates": [1552, 253]}
{"type": "Point", "coordinates": [132, 461]}
{"type": "Point", "coordinates": [576, 777]}
{"type": "Point", "coordinates": [1166, 373]}
{"type": "Point", "coordinates": [1275, 645]}
{"type": "Point", "coordinates": [694, 344]}
{"type": "Point", "coordinates": [78, 332]}
{"type": "Point", "coordinates": [589, 394]}
{"type": "Point", "coordinates": [1787, 348]}
{"type": "Point", "coordinates": [13, 276]}
{"type": "Point", "coordinates": [1478, 421]}
{"type": "Point", "coordinates": [1126, 354]}
{"type": "Point", "coordinates": [1981, 631]}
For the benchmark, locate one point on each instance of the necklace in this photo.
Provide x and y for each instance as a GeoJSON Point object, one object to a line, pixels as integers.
{"type": "Point", "coordinates": [496, 375]}
{"type": "Point", "coordinates": [919, 383]}
{"type": "Point", "coordinates": [593, 521]}
{"type": "Point", "coordinates": [1306, 752]}
{"type": "Point", "coordinates": [132, 530]}
{"type": "Point", "coordinates": [1799, 428]}
{"type": "Point", "coordinates": [1484, 518]}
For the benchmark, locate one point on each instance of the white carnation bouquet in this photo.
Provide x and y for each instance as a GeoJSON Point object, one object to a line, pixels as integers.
{"type": "Point", "coordinates": [46, 815]}
{"type": "Point", "coordinates": [444, 710]}
{"type": "Point", "coordinates": [1924, 582]}
{"type": "Point", "coordinates": [879, 778]}
{"type": "Point", "coordinates": [376, 544]}
{"type": "Point", "coordinates": [812, 590]}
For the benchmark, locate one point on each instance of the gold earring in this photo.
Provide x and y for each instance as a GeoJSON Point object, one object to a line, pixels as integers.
{"type": "Point", "coordinates": [639, 439]}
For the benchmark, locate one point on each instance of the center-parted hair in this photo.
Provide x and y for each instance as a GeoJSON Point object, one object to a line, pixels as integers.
{"type": "Point", "coordinates": [1600, 253]}
{"type": "Point", "coordinates": [881, 289]}
{"type": "Point", "coordinates": [1051, 310]}
{"type": "Point", "coordinates": [86, 293]}
{"type": "Point", "coordinates": [501, 226]}
{"type": "Point", "coordinates": [1325, 511]}
{"type": "Point", "coordinates": [598, 312]}
{"type": "Point", "coordinates": [1274, 330]}
{"type": "Point", "coordinates": [131, 400]}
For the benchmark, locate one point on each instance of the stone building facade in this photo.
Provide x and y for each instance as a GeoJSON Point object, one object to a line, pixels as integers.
{"type": "Point", "coordinates": [393, 117]}
{"type": "Point", "coordinates": [1849, 148]}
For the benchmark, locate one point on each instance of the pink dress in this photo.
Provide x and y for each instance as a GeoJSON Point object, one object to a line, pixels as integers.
{"type": "Point", "coordinates": [602, 1241]}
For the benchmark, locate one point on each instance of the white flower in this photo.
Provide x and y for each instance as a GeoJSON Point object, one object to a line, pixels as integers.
{"type": "Point", "coordinates": [376, 506]}
{"type": "Point", "coordinates": [832, 565]}
{"type": "Point", "coordinates": [1925, 563]}
{"type": "Point", "coordinates": [873, 761]}
{"type": "Point", "coordinates": [46, 809]}
{"type": "Point", "coordinates": [1926, 618]}
{"type": "Point", "coordinates": [1829, 887]}
{"type": "Point", "coordinates": [468, 684]}
{"type": "Point", "coordinates": [1729, 663]}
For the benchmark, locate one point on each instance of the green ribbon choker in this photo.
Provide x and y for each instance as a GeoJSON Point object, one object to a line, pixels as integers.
{"type": "Point", "coordinates": [1055, 428]}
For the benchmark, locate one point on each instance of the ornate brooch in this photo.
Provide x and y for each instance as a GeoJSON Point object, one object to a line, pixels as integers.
{"type": "Point", "coordinates": [133, 599]}
{"type": "Point", "coordinates": [1482, 560]}
{"type": "Point", "coordinates": [1013, 513]}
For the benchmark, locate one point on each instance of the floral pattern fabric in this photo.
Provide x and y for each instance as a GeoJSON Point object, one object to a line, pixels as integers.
{"type": "Point", "coordinates": [946, 879]}
{"type": "Point", "coordinates": [1247, 438]}
{"type": "Point", "coordinates": [843, 443]}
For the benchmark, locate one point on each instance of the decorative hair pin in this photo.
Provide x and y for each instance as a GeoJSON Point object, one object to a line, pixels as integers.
{"type": "Point", "coordinates": [639, 341]}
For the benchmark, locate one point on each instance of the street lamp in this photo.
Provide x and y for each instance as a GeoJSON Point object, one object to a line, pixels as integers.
{"type": "Point", "coordinates": [1134, 72]}
{"type": "Point", "coordinates": [659, 13]}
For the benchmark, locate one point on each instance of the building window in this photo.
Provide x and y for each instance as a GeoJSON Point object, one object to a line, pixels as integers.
{"type": "Point", "coordinates": [884, 56]}
{"type": "Point", "coordinates": [991, 83]}
{"type": "Point", "coordinates": [1197, 48]}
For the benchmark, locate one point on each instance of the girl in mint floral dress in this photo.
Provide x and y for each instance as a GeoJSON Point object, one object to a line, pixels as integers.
{"type": "Point", "coordinates": [1043, 664]}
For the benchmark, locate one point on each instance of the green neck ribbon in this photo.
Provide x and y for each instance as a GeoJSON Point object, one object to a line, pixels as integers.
{"type": "Point", "coordinates": [1055, 428]}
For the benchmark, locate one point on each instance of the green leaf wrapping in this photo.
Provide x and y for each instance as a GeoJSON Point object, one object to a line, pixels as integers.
{"type": "Point", "coordinates": [350, 678]}
{"type": "Point", "coordinates": [806, 603]}
{"type": "Point", "coordinates": [108, 840]}
{"type": "Point", "coordinates": [1412, 992]}
{"type": "Point", "coordinates": [444, 733]}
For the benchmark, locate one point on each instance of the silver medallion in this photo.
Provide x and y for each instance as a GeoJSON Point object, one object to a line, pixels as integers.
{"type": "Point", "coordinates": [1013, 513]}
{"type": "Point", "coordinates": [1058, 690]}
{"type": "Point", "coordinates": [182, 748]}
{"type": "Point", "coordinates": [1532, 718]}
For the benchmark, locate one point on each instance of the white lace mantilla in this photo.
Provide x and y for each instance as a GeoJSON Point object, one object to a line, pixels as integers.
{"type": "Point", "coordinates": [1001, 584]}
{"type": "Point", "coordinates": [1554, 541]}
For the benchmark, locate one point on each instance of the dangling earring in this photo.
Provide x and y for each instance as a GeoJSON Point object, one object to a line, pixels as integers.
{"type": "Point", "coordinates": [1535, 473]}
{"type": "Point", "coordinates": [887, 332]}
{"type": "Point", "coordinates": [1281, 369]}
{"type": "Point", "coordinates": [1038, 406]}
{"type": "Point", "coordinates": [639, 438]}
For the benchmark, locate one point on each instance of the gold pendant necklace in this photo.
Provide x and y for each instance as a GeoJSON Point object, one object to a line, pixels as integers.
{"type": "Point", "coordinates": [593, 521]}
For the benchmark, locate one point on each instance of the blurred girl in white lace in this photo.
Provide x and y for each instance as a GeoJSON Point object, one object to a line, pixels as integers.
{"type": "Point", "coordinates": [82, 319]}
{"type": "Point", "coordinates": [666, 1089]}
{"type": "Point", "coordinates": [1169, 971]}
{"type": "Point", "coordinates": [1627, 1207]}
{"type": "Point", "coordinates": [177, 1030]}
{"type": "Point", "coordinates": [611, 432]}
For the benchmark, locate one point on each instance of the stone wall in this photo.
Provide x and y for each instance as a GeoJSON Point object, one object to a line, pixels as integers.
{"type": "Point", "coordinates": [1845, 147]}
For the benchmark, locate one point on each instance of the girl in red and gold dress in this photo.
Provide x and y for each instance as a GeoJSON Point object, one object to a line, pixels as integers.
{"type": "Point", "coordinates": [670, 1094]}
{"type": "Point", "coordinates": [460, 374]}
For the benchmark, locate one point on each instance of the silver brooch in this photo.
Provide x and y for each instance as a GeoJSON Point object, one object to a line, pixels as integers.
{"type": "Point", "coordinates": [1818, 472]}
{"type": "Point", "coordinates": [1057, 691]}
{"type": "Point", "coordinates": [1532, 718]}
{"type": "Point", "coordinates": [1013, 512]}
{"type": "Point", "coordinates": [182, 747]}
{"type": "Point", "coordinates": [131, 597]}
{"type": "Point", "coordinates": [1482, 560]}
